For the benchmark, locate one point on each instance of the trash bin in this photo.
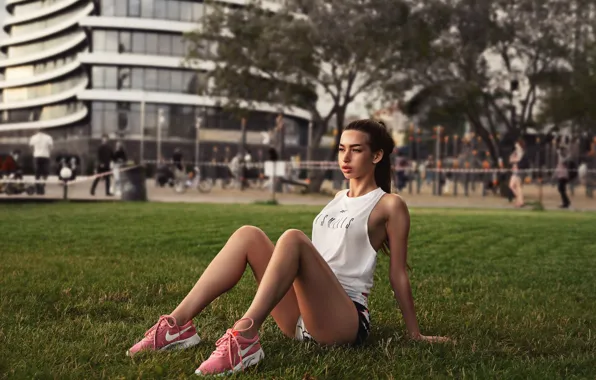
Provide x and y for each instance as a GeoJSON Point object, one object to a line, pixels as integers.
{"type": "Point", "coordinates": [133, 184]}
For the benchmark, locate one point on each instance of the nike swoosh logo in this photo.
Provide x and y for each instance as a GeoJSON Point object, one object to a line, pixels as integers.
{"type": "Point", "coordinates": [245, 351]}
{"type": "Point", "coordinates": [170, 338]}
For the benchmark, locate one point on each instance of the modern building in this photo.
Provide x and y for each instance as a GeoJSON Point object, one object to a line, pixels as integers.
{"type": "Point", "coordinates": [79, 69]}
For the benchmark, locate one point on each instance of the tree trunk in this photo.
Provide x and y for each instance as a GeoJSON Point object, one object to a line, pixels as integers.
{"type": "Point", "coordinates": [318, 176]}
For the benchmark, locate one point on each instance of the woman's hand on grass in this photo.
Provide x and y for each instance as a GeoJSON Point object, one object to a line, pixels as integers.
{"type": "Point", "coordinates": [430, 339]}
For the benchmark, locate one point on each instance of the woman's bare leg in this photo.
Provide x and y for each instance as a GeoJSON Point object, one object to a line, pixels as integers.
{"type": "Point", "coordinates": [328, 313]}
{"type": "Point", "coordinates": [248, 245]}
{"type": "Point", "coordinates": [515, 186]}
{"type": "Point", "coordinates": [512, 187]}
{"type": "Point", "coordinates": [520, 192]}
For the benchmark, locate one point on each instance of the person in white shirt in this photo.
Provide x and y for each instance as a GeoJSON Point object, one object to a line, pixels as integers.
{"type": "Point", "coordinates": [315, 289]}
{"type": "Point", "coordinates": [42, 145]}
{"type": "Point", "coordinates": [562, 175]}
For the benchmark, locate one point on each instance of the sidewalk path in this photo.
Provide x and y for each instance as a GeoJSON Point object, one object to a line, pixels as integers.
{"type": "Point", "coordinates": [551, 200]}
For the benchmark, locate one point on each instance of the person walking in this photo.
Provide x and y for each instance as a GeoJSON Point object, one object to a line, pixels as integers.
{"type": "Point", "coordinates": [104, 160]}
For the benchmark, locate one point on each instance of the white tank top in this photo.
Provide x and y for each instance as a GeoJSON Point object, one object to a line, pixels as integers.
{"type": "Point", "coordinates": [340, 234]}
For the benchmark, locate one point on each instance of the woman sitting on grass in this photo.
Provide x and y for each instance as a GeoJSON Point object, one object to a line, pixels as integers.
{"type": "Point", "coordinates": [340, 258]}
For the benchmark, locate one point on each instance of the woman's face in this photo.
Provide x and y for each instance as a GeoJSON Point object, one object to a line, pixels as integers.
{"type": "Point", "coordinates": [354, 156]}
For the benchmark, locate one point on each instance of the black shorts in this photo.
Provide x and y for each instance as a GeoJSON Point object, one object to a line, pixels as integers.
{"type": "Point", "coordinates": [363, 324]}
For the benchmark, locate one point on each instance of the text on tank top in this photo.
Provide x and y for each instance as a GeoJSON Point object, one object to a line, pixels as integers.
{"type": "Point", "coordinates": [340, 234]}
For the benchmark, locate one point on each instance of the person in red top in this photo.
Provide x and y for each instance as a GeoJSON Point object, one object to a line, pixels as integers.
{"type": "Point", "coordinates": [10, 164]}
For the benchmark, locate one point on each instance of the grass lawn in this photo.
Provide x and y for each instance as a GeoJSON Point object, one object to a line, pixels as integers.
{"type": "Point", "coordinates": [80, 283]}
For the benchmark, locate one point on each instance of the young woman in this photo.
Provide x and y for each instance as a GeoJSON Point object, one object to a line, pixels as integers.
{"type": "Point", "coordinates": [515, 183]}
{"type": "Point", "coordinates": [340, 258]}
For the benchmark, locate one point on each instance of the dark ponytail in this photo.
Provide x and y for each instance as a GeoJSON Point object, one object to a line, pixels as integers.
{"type": "Point", "coordinates": [383, 168]}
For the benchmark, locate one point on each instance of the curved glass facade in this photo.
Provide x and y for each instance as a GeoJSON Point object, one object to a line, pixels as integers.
{"type": "Point", "coordinates": [37, 25]}
{"type": "Point", "coordinates": [38, 68]}
{"type": "Point", "coordinates": [56, 86]}
{"type": "Point", "coordinates": [31, 79]}
{"type": "Point", "coordinates": [47, 43]}
{"type": "Point", "coordinates": [32, 6]}
{"type": "Point", "coordinates": [42, 113]}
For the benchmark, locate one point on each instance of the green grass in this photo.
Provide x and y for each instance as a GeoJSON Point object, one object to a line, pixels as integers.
{"type": "Point", "coordinates": [80, 283]}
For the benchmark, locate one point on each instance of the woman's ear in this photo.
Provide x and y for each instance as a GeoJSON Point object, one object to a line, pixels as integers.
{"type": "Point", "coordinates": [378, 156]}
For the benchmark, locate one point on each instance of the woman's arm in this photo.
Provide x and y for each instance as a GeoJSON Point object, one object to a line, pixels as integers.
{"type": "Point", "coordinates": [398, 230]}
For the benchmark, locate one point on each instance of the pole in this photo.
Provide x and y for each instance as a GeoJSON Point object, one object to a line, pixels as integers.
{"type": "Point", "coordinates": [438, 160]}
{"type": "Point", "coordinates": [243, 136]}
{"type": "Point", "coordinates": [64, 190]}
{"type": "Point", "coordinates": [410, 159]}
{"type": "Point", "coordinates": [418, 159]}
{"type": "Point", "coordinates": [281, 135]}
{"type": "Point", "coordinates": [198, 128]}
{"type": "Point", "coordinates": [273, 181]}
{"type": "Point", "coordinates": [309, 146]}
{"type": "Point", "coordinates": [160, 119]}
{"type": "Point", "coordinates": [142, 148]}
{"type": "Point", "coordinates": [242, 150]}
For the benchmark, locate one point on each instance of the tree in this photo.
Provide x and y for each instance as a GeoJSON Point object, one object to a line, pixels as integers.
{"type": "Point", "coordinates": [492, 61]}
{"type": "Point", "coordinates": [570, 100]}
{"type": "Point", "coordinates": [340, 48]}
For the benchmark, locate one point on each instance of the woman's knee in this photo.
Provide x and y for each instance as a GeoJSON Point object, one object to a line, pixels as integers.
{"type": "Point", "coordinates": [248, 229]}
{"type": "Point", "coordinates": [292, 236]}
{"type": "Point", "coordinates": [251, 233]}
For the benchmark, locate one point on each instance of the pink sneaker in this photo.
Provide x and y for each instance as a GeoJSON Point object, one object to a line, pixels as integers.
{"type": "Point", "coordinates": [233, 353]}
{"type": "Point", "coordinates": [167, 334]}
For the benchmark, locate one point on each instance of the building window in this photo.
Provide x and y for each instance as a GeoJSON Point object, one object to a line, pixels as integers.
{"type": "Point", "coordinates": [173, 10]}
{"type": "Point", "coordinates": [97, 75]}
{"type": "Point", "coordinates": [164, 44]}
{"type": "Point", "coordinates": [186, 11]}
{"type": "Point", "coordinates": [177, 84]}
{"type": "Point", "coordinates": [151, 43]}
{"type": "Point", "coordinates": [108, 8]}
{"type": "Point", "coordinates": [111, 77]}
{"type": "Point", "coordinates": [99, 40]}
{"type": "Point", "coordinates": [178, 47]}
{"type": "Point", "coordinates": [197, 11]}
{"type": "Point", "coordinates": [138, 42]}
{"type": "Point", "coordinates": [164, 82]}
{"type": "Point", "coordinates": [150, 117]}
{"type": "Point", "coordinates": [134, 8]}
{"type": "Point", "coordinates": [137, 78]}
{"type": "Point", "coordinates": [97, 119]}
{"type": "Point", "coordinates": [110, 118]}
{"type": "Point", "coordinates": [124, 42]}
{"type": "Point", "coordinates": [124, 77]}
{"type": "Point", "coordinates": [111, 41]}
{"type": "Point", "coordinates": [121, 8]}
{"type": "Point", "coordinates": [150, 79]}
{"type": "Point", "coordinates": [147, 8]}
{"type": "Point", "coordinates": [161, 9]}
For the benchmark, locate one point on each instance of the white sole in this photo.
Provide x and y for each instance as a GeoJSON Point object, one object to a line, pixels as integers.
{"type": "Point", "coordinates": [248, 361]}
{"type": "Point", "coordinates": [179, 345]}
{"type": "Point", "coordinates": [182, 344]}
